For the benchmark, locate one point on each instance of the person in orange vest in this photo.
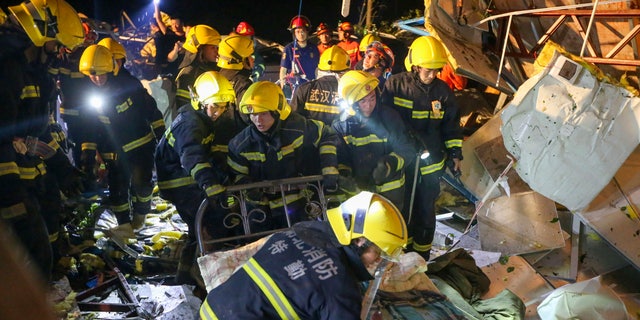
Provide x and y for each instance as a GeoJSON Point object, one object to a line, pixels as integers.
{"type": "Point", "coordinates": [352, 47]}
{"type": "Point", "coordinates": [325, 41]}
{"type": "Point", "coordinates": [449, 76]}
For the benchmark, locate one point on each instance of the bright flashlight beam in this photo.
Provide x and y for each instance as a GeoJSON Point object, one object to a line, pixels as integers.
{"type": "Point", "coordinates": [156, 2]}
{"type": "Point", "coordinates": [425, 154]}
{"type": "Point", "coordinates": [96, 102]}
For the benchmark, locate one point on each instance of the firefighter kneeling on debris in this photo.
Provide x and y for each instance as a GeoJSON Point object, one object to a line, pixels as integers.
{"type": "Point", "coordinates": [313, 270]}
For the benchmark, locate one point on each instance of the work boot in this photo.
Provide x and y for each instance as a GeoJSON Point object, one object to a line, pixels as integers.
{"type": "Point", "coordinates": [138, 221]}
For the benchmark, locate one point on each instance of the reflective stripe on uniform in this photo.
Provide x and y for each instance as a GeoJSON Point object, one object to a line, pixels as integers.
{"type": "Point", "coordinates": [328, 149]}
{"type": "Point", "coordinates": [432, 168]}
{"type": "Point", "coordinates": [198, 167]}
{"type": "Point", "coordinates": [30, 173]}
{"type": "Point", "coordinates": [124, 106]}
{"type": "Point", "coordinates": [176, 183]}
{"type": "Point", "coordinates": [137, 143]}
{"type": "Point", "coordinates": [30, 92]}
{"type": "Point", "coordinates": [285, 150]}
{"type": "Point", "coordinates": [183, 93]}
{"type": "Point", "coordinates": [88, 146]}
{"type": "Point", "coordinates": [214, 189]}
{"type": "Point", "coordinates": [69, 112]}
{"type": "Point", "coordinates": [7, 168]}
{"type": "Point", "coordinates": [270, 289]}
{"type": "Point", "coordinates": [220, 148]}
{"type": "Point", "coordinates": [13, 211]}
{"type": "Point", "coordinates": [400, 161]}
{"type": "Point", "coordinates": [206, 312]}
{"type": "Point", "coordinates": [391, 185]}
{"type": "Point", "coordinates": [363, 141]}
{"type": "Point", "coordinates": [453, 143]}
{"type": "Point", "coordinates": [120, 207]}
{"type": "Point", "coordinates": [157, 124]}
{"type": "Point", "coordinates": [316, 107]}
{"type": "Point", "coordinates": [330, 170]}
{"type": "Point", "coordinates": [404, 103]}
{"type": "Point", "coordinates": [254, 156]}
{"type": "Point", "coordinates": [237, 167]}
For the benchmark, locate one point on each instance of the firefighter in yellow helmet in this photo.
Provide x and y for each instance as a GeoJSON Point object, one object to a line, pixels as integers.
{"type": "Point", "coordinates": [429, 108]}
{"type": "Point", "coordinates": [190, 162]}
{"type": "Point", "coordinates": [280, 144]}
{"type": "Point", "coordinates": [317, 270]}
{"type": "Point", "coordinates": [236, 63]}
{"type": "Point", "coordinates": [367, 39]}
{"type": "Point", "coordinates": [30, 37]}
{"type": "Point", "coordinates": [130, 125]}
{"type": "Point", "coordinates": [119, 54]}
{"type": "Point", "coordinates": [319, 99]}
{"type": "Point", "coordinates": [374, 148]}
{"type": "Point", "coordinates": [201, 45]}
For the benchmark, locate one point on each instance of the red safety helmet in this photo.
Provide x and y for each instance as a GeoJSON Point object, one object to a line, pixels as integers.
{"type": "Point", "coordinates": [299, 22]}
{"type": "Point", "coordinates": [385, 53]}
{"type": "Point", "coordinates": [346, 26]}
{"type": "Point", "coordinates": [322, 29]}
{"type": "Point", "coordinates": [245, 29]}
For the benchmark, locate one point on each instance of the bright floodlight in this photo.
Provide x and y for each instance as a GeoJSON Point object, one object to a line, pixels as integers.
{"type": "Point", "coordinates": [96, 102]}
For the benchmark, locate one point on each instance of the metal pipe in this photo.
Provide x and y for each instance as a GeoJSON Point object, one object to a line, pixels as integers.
{"type": "Point", "coordinates": [586, 36]}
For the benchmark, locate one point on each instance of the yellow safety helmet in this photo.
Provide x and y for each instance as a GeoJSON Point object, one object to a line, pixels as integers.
{"type": "Point", "coordinates": [3, 16]}
{"type": "Point", "coordinates": [233, 50]}
{"type": "Point", "coordinates": [96, 60]}
{"type": "Point", "coordinates": [265, 96]}
{"type": "Point", "coordinates": [367, 39]}
{"type": "Point", "coordinates": [426, 52]}
{"type": "Point", "coordinates": [47, 20]}
{"type": "Point", "coordinates": [200, 35]}
{"type": "Point", "coordinates": [373, 217]}
{"type": "Point", "coordinates": [334, 59]}
{"type": "Point", "coordinates": [116, 48]}
{"type": "Point", "coordinates": [211, 87]}
{"type": "Point", "coordinates": [355, 85]}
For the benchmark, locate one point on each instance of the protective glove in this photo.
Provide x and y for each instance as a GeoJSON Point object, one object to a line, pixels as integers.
{"type": "Point", "coordinates": [382, 171]}
{"type": "Point", "coordinates": [451, 165]}
{"type": "Point", "coordinates": [71, 184]}
{"type": "Point", "coordinates": [330, 183]}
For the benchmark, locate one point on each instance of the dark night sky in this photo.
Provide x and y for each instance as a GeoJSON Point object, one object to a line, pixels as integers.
{"type": "Point", "coordinates": [269, 17]}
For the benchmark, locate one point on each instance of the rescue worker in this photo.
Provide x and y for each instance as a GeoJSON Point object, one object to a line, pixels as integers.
{"type": "Point", "coordinates": [73, 85]}
{"type": "Point", "coordinates": [319, 99]}
{"type": "Point", "coordinates": [432, 116]}
{"type": "Point", "coordinates": [131, 123]}
{"type": "Point", "coordinates": [364, 43]}
{"type": "Point", "coordinates": [325, 41]}
{"type": "Point", "coordinates": [314, 270]}
{"type": "Point", "coordinates": [374, 147]}
{"type": "Point", "coordinates": [245, 29]}
{"type": "Point", "coordinates": [202, 45]}
{"type": "Point", "coordinates": [378, 61]}
{"type": "Point", "coordinates": [280, 144]}
{"type": "Point", "coordinates": [236, 63]}
{"type": "Point", "coordinates": [188, 167]}
{"type": "Point", "coordinates": [299, 58]}
{"type": "Point", "coordinates": [32, 35]}
{"type": "Point", "coordinates": [169, 51]}
{"type": "Point", "coordinates": [345, 31]}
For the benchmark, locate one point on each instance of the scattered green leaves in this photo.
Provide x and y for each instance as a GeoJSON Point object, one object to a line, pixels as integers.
{"type": "Point", "coordinates": [503, 260]}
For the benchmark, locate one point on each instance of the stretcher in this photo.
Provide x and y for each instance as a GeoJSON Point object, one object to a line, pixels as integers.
{"type": "Point", "coordinates": [242, 213]}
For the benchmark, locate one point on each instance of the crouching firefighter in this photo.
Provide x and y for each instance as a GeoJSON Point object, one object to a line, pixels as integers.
{"type": "Point", "coordinates": [313, 270]}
